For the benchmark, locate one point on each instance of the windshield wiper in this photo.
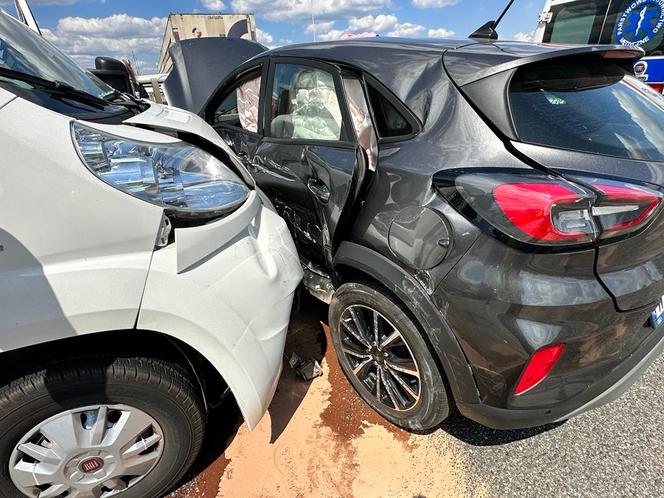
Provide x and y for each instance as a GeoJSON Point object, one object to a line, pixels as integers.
{"type": "Point", "coordinates": [125, 99]}
{"type": "Point", "coordinates": [53, 86]}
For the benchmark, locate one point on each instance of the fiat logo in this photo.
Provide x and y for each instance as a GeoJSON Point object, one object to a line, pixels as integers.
{"type": "Point", "coordinates": [90, 465]}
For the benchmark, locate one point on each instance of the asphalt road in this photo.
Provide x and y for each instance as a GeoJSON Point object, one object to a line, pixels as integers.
{"type": "Point", "coordinates": [319, 439]}
{"type": "Point", "coordinates": [616, 450]}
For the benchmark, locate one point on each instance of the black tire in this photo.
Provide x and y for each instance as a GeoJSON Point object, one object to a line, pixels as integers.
{"type": "Point", "coordinates": [433, 406]}
{"type": "Point", "coordinates": [159, 388]}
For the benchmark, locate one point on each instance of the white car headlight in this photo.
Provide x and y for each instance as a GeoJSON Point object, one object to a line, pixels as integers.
{"type": "Point", "coordinates": [183, 179]}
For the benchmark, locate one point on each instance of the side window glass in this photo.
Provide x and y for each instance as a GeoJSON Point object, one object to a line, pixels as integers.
{"type": "Point", "coordinates": [389, 121]}
{"type": "Point", "coordinates": [240, 107]}
{"type": "Point", "coordinates": [304, 104]}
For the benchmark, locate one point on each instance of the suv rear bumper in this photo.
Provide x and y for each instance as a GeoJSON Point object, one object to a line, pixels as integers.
{"type": "Point", "coordinates": [600, 393]}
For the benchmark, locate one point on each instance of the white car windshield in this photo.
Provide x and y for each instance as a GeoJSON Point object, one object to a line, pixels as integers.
{"type": "Point", "coordinates": [24, 51]}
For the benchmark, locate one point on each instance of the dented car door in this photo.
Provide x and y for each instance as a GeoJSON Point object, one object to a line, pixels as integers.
{"type": "Point", "coordinates": [309, 161]}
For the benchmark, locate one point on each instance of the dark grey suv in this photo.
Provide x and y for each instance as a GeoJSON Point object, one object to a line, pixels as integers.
{"type": "Point", "coordinates": [484, 218]}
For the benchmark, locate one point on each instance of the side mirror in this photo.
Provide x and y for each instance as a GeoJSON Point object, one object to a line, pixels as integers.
{"type": "Point", "coordinates": [114, 73]}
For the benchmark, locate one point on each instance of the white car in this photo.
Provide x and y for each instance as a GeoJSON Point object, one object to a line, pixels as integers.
{"type": "Point", "coordinates": [143, 276]}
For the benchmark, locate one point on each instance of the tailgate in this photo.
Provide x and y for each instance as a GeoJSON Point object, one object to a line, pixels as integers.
{"type": "Point", "coordinates": [586, 117]}
{"type": "Point", "coordinates": [631, 269]}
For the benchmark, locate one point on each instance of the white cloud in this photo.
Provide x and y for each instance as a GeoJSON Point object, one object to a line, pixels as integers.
{"type": "Point", "coordinates": [333, 34]}
{"type": "Point", "coordinates": [263, 37]}
{"type": "Point", "coordinates": [119, 35]}
{"type": "Point", "coordinates": [213, 4]}
{"type": "Point", "coordinates": [407, 30]}
{"type": "Point", "coordinates": [48, 2]}
{"type": "Point", "coordinates": [440, 33]}
{"type": "Point", "coordinates": [302, 9]}
{"type": "Point", "coordinates": [429, 4]}
{"type": "Point", "coordinates": [385, 24]}
{"type": "Point", "coordinates": [117, 25]}
{"type": "Point", "coordinates": [320, 27]}
{"type": "Point", "coordinates": [379, 23]}
{"type": "Point", "coordinates": [525, 37]}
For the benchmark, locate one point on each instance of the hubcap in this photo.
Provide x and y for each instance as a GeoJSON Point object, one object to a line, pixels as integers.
{"type": "Point", "coordinates": [91, 452]}
{"type": "Point", "coordinates": [380, 358]}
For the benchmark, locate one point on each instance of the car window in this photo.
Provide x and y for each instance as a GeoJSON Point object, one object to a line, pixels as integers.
{"type": "Point", "coordinates": [240, 107]}
{"type": "Point", "coordinates": [596, 108]}
{"type": "Point", "coordinates": [389, 121]}
{"type": "Point", "coordinates": [305, 104]}
{"type": "Point", "coordinates": [578, 22]}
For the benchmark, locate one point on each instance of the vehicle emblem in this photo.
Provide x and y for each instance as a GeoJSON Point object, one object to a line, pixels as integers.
{"type": "Point", "coordinates": [90, 465]}
{"type": "Point", "coordinates": [640, 23]}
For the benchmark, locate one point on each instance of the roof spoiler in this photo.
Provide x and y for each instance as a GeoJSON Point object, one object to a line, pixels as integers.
{"type": "Point", "coordinates": [478, 61]}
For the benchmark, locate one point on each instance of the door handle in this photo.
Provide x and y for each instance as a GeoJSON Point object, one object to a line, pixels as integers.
{"type": "Point", "coordinates": [319, 189]}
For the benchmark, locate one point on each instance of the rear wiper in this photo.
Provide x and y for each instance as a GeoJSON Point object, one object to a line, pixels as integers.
{"type": "Point", "coordinates": [57, 86]}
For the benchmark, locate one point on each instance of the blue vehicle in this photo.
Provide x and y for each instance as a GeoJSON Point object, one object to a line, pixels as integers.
{"type": "Point", "coordinates": [633, 23]}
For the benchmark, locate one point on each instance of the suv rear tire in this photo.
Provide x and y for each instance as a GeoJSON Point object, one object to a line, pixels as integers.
{"type": "Point", "coordinates": [393, 369]}
{"type": "Point", "coordinates": [53, 416]}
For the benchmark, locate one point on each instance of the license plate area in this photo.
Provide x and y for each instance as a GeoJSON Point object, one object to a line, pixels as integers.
{"type": "Point", "coordinates": [657, 316]}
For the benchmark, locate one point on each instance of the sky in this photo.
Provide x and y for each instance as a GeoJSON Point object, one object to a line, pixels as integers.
{"type": "Point", "coordinates": [134, 28]}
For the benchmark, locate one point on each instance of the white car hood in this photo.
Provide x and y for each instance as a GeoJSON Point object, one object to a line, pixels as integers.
{"type": "Point", "coordinates": [164, 117]}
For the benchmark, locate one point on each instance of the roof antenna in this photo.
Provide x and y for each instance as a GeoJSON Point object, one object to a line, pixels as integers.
{"type": "Point", "coordinates": [488, 31]}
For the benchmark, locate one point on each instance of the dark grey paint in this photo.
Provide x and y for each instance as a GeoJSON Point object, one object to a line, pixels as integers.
{"type": "Point", "coordinates": [420, 238]}
{"type": "Point", "coordinates": [484, 306]}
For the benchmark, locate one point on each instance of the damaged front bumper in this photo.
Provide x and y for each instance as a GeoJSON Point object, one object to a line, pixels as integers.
{"type": "Point", "coordinates": [226, 289]}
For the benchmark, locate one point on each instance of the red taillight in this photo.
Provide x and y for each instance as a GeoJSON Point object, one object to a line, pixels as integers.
{"type": "Point", "coordinates": [546, 210]}
{"type": "Point", "coordinates": [535, 209]}
{"type": "Point", "coordinates": [659, 88]}
{"type": "Point", "coordinates": [623, 208]}
{"type": "Point", "coordinates": [539, 366]}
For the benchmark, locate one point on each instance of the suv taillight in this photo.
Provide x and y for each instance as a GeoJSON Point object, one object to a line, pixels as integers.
{"type": "Point", "coordinates": [546, 210]}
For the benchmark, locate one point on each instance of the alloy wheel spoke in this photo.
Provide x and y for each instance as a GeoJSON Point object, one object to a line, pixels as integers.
{"type": "Point", "coordinates": [140, 464]}
{"type": "Point", "coordinates": [391, 391]}
{"type": "Point", "coordinates": [128, 428]}
{"type": "Point", "coordinates": [53, 491]}
{"type": "Point", "coordinates": [379, 394]}
{"type": "Point", "coordinates": [40, 453]}
{"type": "Point", "coordinates": [66, 432]}
{"type": "Point", "coordinates": [361, 366]}
{"type": "Point", "coordinates": [85, 493]}
{"type": "Point", "coordinates": [360, 325]}
{"type": "Point", "coordinates": [355, 333]}
{"type": "Point", "coordinates": [28, 474]}
{"type": "Point", "coordinates": [353, 352]}
{"type": "Point", "coordinates": [116, 484]}
{"type": "Point", "coordinates": [392, 339]}
{"type": "Point", "coordinates": [99, 427]}
{"type": "Point", "coordinates": [403, 366]}
{"type": "Point", "coordinates": [376, 327]}
{"type": "Point", "coordinates": [141, 446]}
{"type": "Point", "coordinates": [404, 385]}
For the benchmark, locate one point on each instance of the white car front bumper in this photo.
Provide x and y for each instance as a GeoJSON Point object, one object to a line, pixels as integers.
{"type": "Point", "coordinates": [226, 289]}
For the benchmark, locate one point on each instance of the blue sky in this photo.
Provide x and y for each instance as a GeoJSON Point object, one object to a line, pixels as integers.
{"type": "Point", "coordinates": [133, 28]}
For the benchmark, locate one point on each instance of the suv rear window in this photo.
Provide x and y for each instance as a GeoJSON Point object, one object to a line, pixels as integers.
{"type": "Point", "coordinates": [589, 107]}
